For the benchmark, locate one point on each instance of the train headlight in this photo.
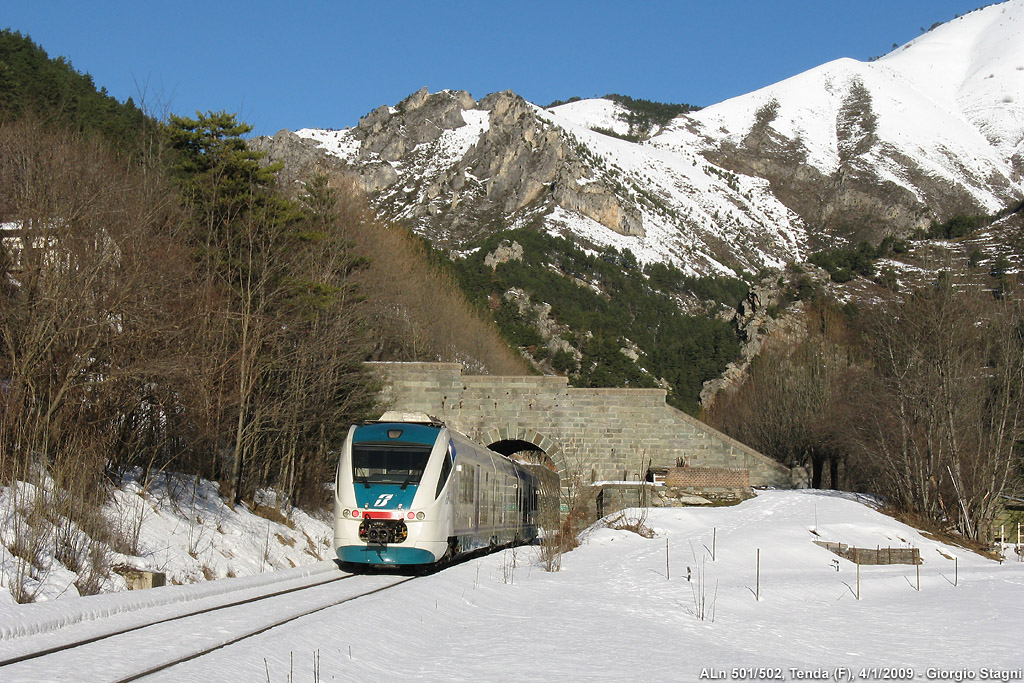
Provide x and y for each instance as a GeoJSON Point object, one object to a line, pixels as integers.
{"type": "Point", "coordinates": [411, 515]}
{"type": "Point", "coordinates": [345, 513]}
{"type": "Point", "coordinates": [355, 513]}
{"type": "Point", "coordinates": [420, 516]}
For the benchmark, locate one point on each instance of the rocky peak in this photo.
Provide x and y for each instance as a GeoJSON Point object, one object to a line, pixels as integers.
{"type": "Point", "coordinates": [419, 119]}
{"type": "Point", "coordinates": [456, 166]}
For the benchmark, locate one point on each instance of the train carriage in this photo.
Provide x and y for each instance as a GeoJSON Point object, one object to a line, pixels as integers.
{"type": "Point", "coordinates": [411, 491]}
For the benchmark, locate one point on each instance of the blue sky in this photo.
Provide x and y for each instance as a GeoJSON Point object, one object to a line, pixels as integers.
{"type": "Point", "coordinates": [324, 64]}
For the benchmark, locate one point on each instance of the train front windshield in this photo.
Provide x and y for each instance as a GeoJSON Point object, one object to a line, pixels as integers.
{"type": "Point", "coordinates": [389, 463]}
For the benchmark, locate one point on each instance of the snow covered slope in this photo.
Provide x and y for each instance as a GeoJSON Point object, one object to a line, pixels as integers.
{"type": "Point", "coordinates": [940, 118]}
{"type": "Point", "coordinates": [846, 151]}
{"type": "Point", "coordinates": [625, 608]}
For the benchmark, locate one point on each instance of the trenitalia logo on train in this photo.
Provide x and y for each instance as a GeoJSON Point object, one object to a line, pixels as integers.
{"type": "Point", "coordinates": [412, 491]}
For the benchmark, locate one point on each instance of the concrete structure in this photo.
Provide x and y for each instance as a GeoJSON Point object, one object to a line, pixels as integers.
{"type": "Point", "coordinates": [140, 579]}
{"type": "Point", "coordinates": [593, 434]}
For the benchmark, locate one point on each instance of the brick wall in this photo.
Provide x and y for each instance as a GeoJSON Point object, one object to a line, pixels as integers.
{"type": "Point", "coordinates": [708, 477]}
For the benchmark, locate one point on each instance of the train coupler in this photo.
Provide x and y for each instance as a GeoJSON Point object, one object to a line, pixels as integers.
{"type": "Point", "coordinates": [383, 531]}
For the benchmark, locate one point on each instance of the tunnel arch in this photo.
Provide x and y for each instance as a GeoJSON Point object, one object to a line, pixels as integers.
{"type": "Point", "coordinates": [513, 439]}
{"type": "Point", "coordinates": [524, 450]}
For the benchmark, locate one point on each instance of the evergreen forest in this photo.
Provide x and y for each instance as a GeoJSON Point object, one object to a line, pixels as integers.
{"type": "Point", "coordinates": [608, 304]}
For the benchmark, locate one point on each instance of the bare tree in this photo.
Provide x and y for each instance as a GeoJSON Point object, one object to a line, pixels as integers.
{"type": "Point", "coordinates": [89, 315]}
{"type": "Point", "coordinates": [791, 404]}
{"type": "Point", "coordinates": [949, 375]}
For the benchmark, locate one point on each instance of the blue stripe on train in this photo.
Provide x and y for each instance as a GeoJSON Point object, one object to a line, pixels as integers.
{"type": "Point", "coordinates": [378, 554]}
{"type": "Point", "coordinates": [410, 433]}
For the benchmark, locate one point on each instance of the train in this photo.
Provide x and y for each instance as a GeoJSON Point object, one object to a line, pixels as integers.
{"type": "Point", "coordinates": [411, 491]}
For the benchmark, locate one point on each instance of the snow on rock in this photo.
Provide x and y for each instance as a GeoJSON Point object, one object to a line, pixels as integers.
{"type": "Point", "coordinates": [596, 113]}
{"type": "Point", "coordinates": [948, 100]}
{"type": "Point", "coordinates": [932, 129]}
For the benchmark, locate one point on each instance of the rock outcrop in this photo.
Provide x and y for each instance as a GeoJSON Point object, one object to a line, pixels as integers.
{"type": "Point", "coordinates": [460, 168]}
{"type": "Point", "coordinates": [300, 157]}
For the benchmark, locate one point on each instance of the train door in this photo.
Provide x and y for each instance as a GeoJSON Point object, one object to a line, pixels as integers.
{"type": "Point", "coordinates": [506, 491]}
{"type": "Point", "coordinates": [523, 503]}
{"type": "Point", "coordinates": [477, 502]}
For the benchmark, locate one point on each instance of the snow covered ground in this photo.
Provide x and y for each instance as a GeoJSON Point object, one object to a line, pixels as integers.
{"type": "Point", "coordinates": [178, 525]}
{"type": "Point", "coordinates": [628, 608]}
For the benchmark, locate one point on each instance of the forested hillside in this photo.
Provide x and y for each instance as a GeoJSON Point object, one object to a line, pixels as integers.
{"type": "Point", "coordinates": [167, 305]}
{"type": "Point", "coordinates": [51, 91]}
{"type": "Point", "coordinates": [900, 374]}
{"type": "Point", "coordinates": [601, 319]}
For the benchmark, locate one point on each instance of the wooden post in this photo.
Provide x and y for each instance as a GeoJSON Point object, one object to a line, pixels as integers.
{"type": "Point", "coordinates": [858, 577]}
{"type": "Point", "coordinates": [667, 577]}
{"type": "Point", "coordinates": [917, 566]}
{"type": "Point", "coordinates": [956, 570]}
{"type": "Point", "coordinates": [714, 539]}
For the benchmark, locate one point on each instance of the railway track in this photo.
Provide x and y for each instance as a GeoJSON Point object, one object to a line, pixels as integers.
{"type": "Point", "coordinates": [151, 641]}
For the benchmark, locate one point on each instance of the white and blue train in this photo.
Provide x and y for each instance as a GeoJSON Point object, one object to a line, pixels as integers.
{"type": "Point", "coordinates": [411, 491]}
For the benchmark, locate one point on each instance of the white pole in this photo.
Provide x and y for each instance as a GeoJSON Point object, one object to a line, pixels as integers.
{"type": "Point", "coordinates": [757, 573]}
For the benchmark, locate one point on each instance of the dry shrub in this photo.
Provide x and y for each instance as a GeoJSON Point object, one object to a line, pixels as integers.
{"type": "Point", "coordinates": [632, 519]}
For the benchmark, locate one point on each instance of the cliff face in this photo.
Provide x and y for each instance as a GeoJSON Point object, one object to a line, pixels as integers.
{"type": "Point", "coordinates": [458, 168]}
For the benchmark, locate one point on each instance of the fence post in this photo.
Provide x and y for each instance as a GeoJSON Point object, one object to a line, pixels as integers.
{"type": "Point", "coordinates": [757, 574]}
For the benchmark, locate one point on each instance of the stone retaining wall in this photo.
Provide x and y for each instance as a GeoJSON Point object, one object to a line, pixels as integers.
{"type": "Point", "coordinates": [599, 434]}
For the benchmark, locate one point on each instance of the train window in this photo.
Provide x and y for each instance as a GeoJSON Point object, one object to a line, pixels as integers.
{"type": "Point", "coordinates": [389, 463]}
{"type": "Point", "coordinates": [446, 469]}
{"type": "Point", "coordinates": [466, 482]}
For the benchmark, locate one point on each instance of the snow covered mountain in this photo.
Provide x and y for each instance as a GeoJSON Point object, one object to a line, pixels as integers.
{"type": "Point", "coordinates": [847, 151]}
